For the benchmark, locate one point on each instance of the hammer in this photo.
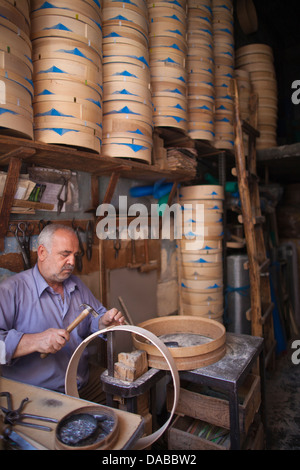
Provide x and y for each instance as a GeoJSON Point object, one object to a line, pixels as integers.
{"type": "Point", "coordinates": [87, 310]}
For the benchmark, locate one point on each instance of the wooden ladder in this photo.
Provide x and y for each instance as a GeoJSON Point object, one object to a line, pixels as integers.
{"type": "Point", "coordinates": [252, 219]}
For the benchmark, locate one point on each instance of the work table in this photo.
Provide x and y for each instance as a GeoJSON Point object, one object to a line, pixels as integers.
{"type": "Point", "coordinates": [56, 405]}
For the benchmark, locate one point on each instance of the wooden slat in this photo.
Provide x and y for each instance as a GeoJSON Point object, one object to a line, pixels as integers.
{"type": "Point", "coordinates": [21, 152]}
{"type": "Point", "coordinates": [266, 313]}
{"type": "Point", "coordinates": [8, 196]}
{"type": "Point", "coordinates": [249, 130]}
{"type": "Point", "coordinates": [264, 266]}
{"type": "Point", "coordinates": [31, 204]}
{"type": "Point", "coordinates": [61, 157]}
{"type": "Point", "coordinates": [111, 187]}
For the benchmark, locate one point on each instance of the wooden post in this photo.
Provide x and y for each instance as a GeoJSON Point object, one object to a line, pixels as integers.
{"type": "Point", "coordinates": [260, 294]}
{"type": "Point", "coordinates": [257, 329]}
{"type": "Point", "coordinates": [7, 200]}
{"type": "Point", "coordinates": [172, 193]}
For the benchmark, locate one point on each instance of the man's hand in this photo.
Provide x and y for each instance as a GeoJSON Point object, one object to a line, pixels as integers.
{"type": "Point", "coordinates": [49, 342]}
{"type": "Point", "coordinates": [52, 340]}
{"type": "Point", "coordinates": [111, 318]}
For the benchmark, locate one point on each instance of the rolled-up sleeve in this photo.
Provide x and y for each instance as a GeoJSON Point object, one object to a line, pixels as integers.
{"type": "Point", "coordinates": [11, 341]}
{"type": "Point", "coordinates": [9, 337]}
{"type": "Point", "coordinates": [28, 305]}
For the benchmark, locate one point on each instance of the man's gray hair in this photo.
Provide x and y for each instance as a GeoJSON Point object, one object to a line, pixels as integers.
{"type": "Point", "coordinates": [46, 235]}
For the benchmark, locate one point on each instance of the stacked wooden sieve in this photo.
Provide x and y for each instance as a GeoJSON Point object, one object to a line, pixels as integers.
{"type": "Point", "coordinates": [16, 87]}
{"type": "Point", "coordinates": [168, 52]}
{"type": "Point", "coordinates": [200, 67]}
{"type": "Point", "coordinates": [258, 61]}
{"type": "Point", "coordinates": [127, 106]}
{"type": "Point", "coordinates": [67, 72]}
{"type": "Point", "coordinates": [200, 253]}
{"type": "Point", "coordinates": [223, 29]}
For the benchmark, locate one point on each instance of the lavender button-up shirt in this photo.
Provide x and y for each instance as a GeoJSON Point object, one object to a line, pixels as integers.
{"type": "Point", "coordinates": [29, 305]}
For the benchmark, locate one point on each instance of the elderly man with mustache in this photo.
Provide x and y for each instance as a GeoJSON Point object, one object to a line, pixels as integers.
{"type": "Point", "coordinates": [38, 304]}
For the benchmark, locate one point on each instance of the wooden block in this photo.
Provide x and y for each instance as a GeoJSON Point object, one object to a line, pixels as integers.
{"type": "Point", "coordinates": [136, 360]}
{"type": "Point", "coordinates": [124, 372]}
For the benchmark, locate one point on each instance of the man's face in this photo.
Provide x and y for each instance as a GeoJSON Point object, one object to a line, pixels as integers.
{"type": "Point", "coordinates": [58, 264]}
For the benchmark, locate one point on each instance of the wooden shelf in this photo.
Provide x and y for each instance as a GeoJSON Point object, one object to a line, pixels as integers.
{"type": "Point", "coordinates": [280, 164]}
{"type": "Point", "coordinates": [31, 205]}
{"type": "Point", "coordinates": [60, 157]}
{"type": "Point", "coordinates": [15, 150]}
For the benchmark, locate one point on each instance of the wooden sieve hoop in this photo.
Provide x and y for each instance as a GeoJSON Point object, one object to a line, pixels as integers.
{"type": "Point", "coordinates": [71, 374]}
{"type": "Point", "coordinates": [190, 357]}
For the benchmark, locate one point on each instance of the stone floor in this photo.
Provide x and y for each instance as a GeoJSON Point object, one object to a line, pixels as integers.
{"type": "Point", "coordinates": [283, 403]}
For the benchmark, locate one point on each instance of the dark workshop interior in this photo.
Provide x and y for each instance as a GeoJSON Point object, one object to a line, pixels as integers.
{"type": "Point", "coordinates": [149, 225]}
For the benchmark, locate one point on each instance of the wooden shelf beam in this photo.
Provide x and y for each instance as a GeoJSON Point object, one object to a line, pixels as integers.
{"type": "Point", "coordinates": [14, 150]}
{"type": "Point", "coordinates": [60, 157]}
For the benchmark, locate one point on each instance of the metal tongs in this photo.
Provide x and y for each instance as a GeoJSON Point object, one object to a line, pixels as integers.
{"type": "Point", "coordinates": [13, 417]}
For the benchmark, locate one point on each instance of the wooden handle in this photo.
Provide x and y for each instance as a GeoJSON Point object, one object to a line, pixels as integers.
{"type": "Point", "coordinates": [78, 320]}
{"type": "Point", "coordinates": [73, 325]}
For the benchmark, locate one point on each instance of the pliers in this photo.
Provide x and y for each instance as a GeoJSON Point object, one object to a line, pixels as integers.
{"type": "Point", "coordinates": [61, 200]}
{"type": "Point", "coordinates": [22, 232]}
{"type": "Point", "coordinates": [13, 417]}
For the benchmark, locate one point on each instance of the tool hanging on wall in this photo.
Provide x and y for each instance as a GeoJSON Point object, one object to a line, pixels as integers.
{"type": "Point", "coordinates": [22, 232]}
{"type": "Point", "coordinates": [148, 265]}
{"type": "Point", "coordinates": [133, 264]}
{"type": "Point", "coordinates": [62, 195]}
{"type": "Point", "coordinates": [117, 244]}
{"type": "Point", "coordinates": [42, 224]}
{"type": "Point", "coordinates": [79, 256]}
{"type": "Point", "coordinates": [89, 239]}
{"type": "Point", "coordinates": [125, 311]}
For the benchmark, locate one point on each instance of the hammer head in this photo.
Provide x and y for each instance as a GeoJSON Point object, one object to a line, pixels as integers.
{"type": "Point", "coordinates": [90, 309]}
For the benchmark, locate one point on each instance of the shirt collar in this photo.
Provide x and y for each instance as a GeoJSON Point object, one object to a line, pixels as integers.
{"type": "Point", "coordinates": [70, 284]}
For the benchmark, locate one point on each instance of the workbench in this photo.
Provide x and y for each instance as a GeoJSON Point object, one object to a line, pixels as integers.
{"type": "Point", "coordinates": [56, 405]}
{"type": "Point", "coordinates": [229, 373]}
